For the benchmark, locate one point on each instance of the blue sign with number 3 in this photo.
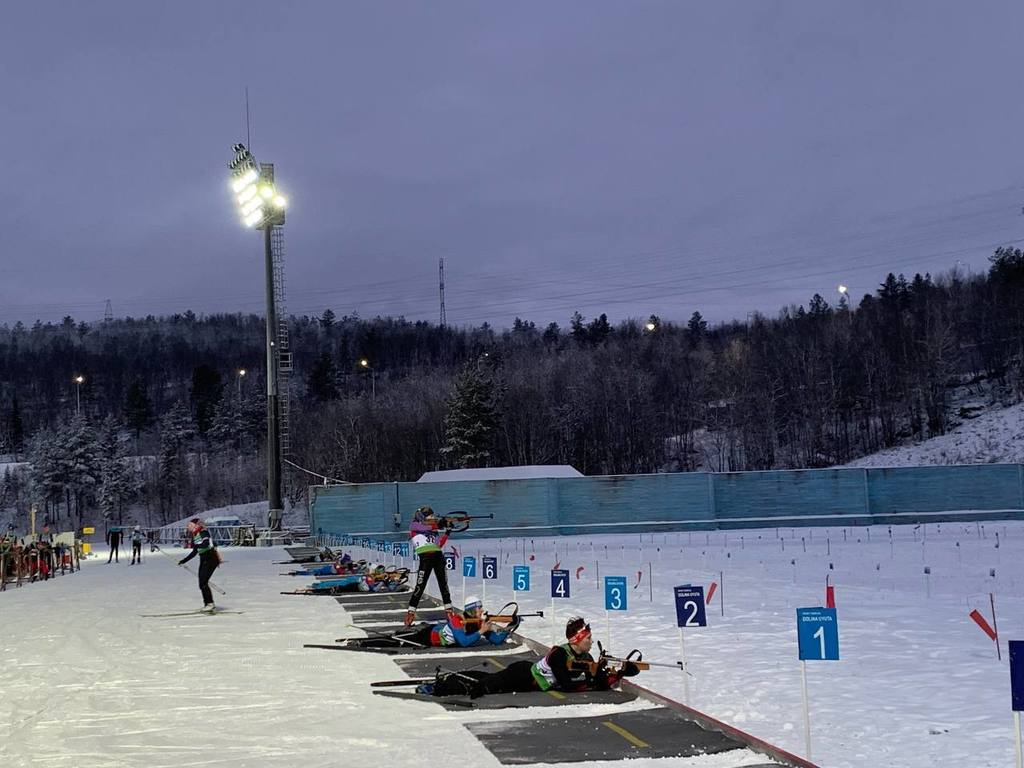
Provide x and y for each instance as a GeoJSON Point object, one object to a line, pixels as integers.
{"type": "Point", "coordinates": [615, 593]}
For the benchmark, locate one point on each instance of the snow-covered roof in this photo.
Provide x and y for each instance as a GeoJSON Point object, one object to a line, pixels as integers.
{"type": "Point", "coordinates": [501, 473]}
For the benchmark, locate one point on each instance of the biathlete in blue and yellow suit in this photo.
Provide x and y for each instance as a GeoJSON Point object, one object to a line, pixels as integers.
{"type": "Point", "coordinates": [462, 631]}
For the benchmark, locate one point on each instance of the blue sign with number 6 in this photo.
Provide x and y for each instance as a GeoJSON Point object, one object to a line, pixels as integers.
{"type": "Point", "coordinates": [560, 583]}
{"type": "Point", "coordinates": [490, 567]}
{"type": "Point", "coordinates": [615, 593]}
{"type": "Point", "coordinates": [690, 606]}
{"type": "Point", "coordinates": [521, 578]}
{"type": "Point", "coordinates": [818, 634]}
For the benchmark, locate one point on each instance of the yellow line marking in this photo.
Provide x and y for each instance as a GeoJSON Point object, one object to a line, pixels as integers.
{"type": "Point", "coordinates": [496, 663]}
{"type": "Point", "coordinates": [635, 741]}
{"type": "Point", "coordinates": [557, 695]}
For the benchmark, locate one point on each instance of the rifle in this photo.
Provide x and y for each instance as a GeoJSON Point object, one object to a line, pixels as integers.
{"type": "Point", "coordinates": [634, 657]}
{"type": "Point", "coordinates": [457, 522]}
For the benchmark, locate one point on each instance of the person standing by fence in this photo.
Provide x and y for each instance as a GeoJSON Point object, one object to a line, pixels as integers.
{"type": "Point", "coordinates": [114, 540]}
{"type": "Point", "coordinates": [136, 546]}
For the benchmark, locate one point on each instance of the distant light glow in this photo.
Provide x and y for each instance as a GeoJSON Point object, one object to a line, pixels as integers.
{"type": "Point", "coordinates": [253, 205]}
{"type": "Point", "coordinates": [254, 218]}
{"type": "Point", "coordinates": [365, 363]}
{"type": "Point", "coordinates": [280, 202]}
{"type": "Point", "coordinates": [247, 194]}
{"type": "Point", "coordinates": [267, 191]}
{"type": "Point", "coordinates": [245, 180]}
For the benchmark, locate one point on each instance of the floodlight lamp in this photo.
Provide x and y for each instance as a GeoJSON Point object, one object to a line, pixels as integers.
{"type": "Point", "coordinates": [365, 363]}
{"type": "Point", "coordinates": [251, 206]}
{"type": "Point", "coordinates": [254, 218]}
{"type": "Point", "coordinates": [650, 326]}
{"type": "Point", "coordinates": [247, 194]}
{"type": "Point", "coordinates": [79, 379]}
{"type": "Point", "coordinates": [280, 202]}
{"type": "Point", "coordinates": [267, 191]}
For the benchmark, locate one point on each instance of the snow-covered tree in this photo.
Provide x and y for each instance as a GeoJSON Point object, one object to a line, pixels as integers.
{"type": "Point", "coordinates": [471, 423]}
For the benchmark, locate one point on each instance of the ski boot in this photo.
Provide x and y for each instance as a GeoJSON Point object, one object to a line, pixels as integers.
{"type": "Point", "coordinates": [209, 608]}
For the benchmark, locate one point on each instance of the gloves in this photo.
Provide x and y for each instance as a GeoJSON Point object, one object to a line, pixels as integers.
{"type": "Point", "coordinates": [181, 562]}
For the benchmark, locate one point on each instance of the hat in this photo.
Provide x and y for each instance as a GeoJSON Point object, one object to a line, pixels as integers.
{"type": "Point", "coordinates": [473, 604]}
{"type": "Point", "coordinates": [576, 630]}
{"type": "Point", "coordinates": [422, 513]}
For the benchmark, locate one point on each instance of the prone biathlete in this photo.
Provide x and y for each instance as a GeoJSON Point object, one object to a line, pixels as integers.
{"type": "Point", "coordinates": [462, 631]}
{"type": "Point", "coordinates": [568, 667]}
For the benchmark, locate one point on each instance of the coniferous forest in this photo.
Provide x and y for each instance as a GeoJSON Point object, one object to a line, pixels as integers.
{"type": "Point", "coordinates": [163, 423]}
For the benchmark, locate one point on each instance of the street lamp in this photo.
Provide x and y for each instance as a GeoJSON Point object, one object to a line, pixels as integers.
{"type": "Point", "coordinates": [373, 376]}
{"type": "Point", "coordinates": [261, 206]}
{"type": "Point", "coordinates": [79, 381]}
{"type": "Point", "coordinates": [844, 292]}
{"type": "Point", "coordinates": [241, 374]}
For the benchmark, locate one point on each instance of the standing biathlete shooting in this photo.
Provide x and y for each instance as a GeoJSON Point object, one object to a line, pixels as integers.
{"type": "Point", "coordinates": [209, 559]}
{"type": "Point", "coordinates": [428, 534]}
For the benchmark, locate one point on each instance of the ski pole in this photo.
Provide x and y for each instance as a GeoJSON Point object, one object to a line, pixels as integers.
{"type": "Point", "coordinates": [396, 637]}
{"type": "Point", "coordinates": [182, 565]}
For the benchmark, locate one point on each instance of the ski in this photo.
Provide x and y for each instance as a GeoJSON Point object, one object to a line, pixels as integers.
{"type": "Point", "coordinates": [197, 612]}
{"type": "Point", "coordinates": [393, 683]}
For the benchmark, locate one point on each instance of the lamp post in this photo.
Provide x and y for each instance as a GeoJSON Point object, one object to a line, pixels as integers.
{"type": "Point", "coordinates": [373, 377]}
{"type": "Point", "coordinates": [241, 374]}
{"type": "Point", "coordinates": [262, 207]}
{"type": "Point", "coordinates": [844, 292]}
{"type": "Point", "coordinates": [79, 381]}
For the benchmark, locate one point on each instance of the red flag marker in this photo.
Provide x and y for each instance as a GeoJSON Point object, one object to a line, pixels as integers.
{"type": "Point", "coordinates": [711, 593]}
{"type": "Point", "coordinates": [985, 626]}
{"type": "Point", "coordinates": [830, 596]}
{"type": "Point", "coordinates": [578, 572]}
{"type": "Point", "coordinates": [556, 565]}
{"type": "Point", "coordinates": [639, 578]}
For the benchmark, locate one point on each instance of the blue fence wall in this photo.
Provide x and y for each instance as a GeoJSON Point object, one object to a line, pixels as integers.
{"type": "Point", "coordinates": [683, 501]}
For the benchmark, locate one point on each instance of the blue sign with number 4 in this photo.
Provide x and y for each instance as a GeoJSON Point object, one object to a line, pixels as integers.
{"type": "Point", "coordinates": [615, 593]}
{"type": "Point", "coordinates": [690, 606]}
{"type": "Point", "coordinates": [560, 583]}
{"type": "Point", "coordinates": [521, 578]}
{"type": "Point", "coordinates": [818, 634]}
{"type": "Point", "coordinates": [469, 567]}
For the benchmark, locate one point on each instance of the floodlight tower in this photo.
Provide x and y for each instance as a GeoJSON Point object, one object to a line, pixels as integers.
{"type": "Point", "coordinates": [262, 207]}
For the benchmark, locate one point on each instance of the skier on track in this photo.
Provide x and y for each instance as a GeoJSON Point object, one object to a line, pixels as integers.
{"type": "Point", "coordinates": [462, 631]}
{"type": "Point", "coordinates": [428, 542]}
{"type": "Point", "coordinates": [136, 546]}
{"type": "Point", "coordinates": [566, 667]}
{"type": "Point", "coordinates": [209, 559]}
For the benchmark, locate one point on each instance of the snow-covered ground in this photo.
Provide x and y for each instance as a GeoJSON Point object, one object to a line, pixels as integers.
{"type": "Point", "coordinates": [994, 437]}
{"type": "Point", "coordinates": [86, 681]}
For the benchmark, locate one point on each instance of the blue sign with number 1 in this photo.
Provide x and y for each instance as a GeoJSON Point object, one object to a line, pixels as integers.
{"type": "Point", "coordinates": [1017, 674]}
{"type": "Point", "coordinates": [818, 634]}
{"type": "Point", "coordinates": [615, 593]}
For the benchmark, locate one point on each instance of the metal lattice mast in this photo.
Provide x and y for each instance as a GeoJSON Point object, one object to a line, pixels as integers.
{"type": "Point", "coordinates": [284, 352]}
{"type": "Point", "coordinates": [440, 269]}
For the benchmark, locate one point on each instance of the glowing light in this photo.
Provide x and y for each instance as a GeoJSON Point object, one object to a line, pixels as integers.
{"type": "Point", "coordinates": [253, 205]}
{"type": "Point", "coordinates": [365, 363]}
{"type": "Point", "coordinates": [254, 218]}
{"type": "Point", "coordinates": [245, 180]}
{"type": "Point", "coordinates": [247, 194]}
{"type": "Point", "coordinates": [280, 202]}
{"type": "Point", "coordinates": [267, 191]}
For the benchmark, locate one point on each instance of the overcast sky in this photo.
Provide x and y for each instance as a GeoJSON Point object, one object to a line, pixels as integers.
{"type": "Point", "coordinates": [628, 157]}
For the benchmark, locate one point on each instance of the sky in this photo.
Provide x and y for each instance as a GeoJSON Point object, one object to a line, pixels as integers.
{"type": "Point", "coordinates": [622, 157]}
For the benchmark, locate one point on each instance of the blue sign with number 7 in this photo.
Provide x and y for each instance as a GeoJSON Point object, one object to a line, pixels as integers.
{"type": "Point", "coordinates": [615, 593]}
{"type": "Point", "coordinates": [817, 634]}
{"type": "Point", "coordinates": [469, 567]}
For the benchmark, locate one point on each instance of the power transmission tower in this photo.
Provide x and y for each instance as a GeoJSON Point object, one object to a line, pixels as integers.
{"type": "Point", "coordinates": [440, 268]}
{"type": "Point", "coordinates": [108, 312]}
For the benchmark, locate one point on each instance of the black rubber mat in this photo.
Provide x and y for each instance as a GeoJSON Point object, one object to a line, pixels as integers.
{"type": "Point", "coordinates": [394, 617]}
{"type": "Point", "coordinates": [474, 649]}
{"type": "Point", "coordinates": [656, 732]}
{"type": "Point", "coordinates": [493, 663]}
{"type": "Point", "coordinates": [516, 701]}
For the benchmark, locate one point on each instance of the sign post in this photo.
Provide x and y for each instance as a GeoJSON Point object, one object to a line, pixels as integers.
{"type": "Point", "coordinates": [615, 599]}
{"type": "Point", "coordinates": [1017, 693]}
{"type": "Point", "coordinates": [818, 640]}
{"type": "Point", "coordinates": [560, 589]}
{"type": "Point", "coordinates": [689, 613]}
{"type": "Point", "coordinates": [468, 571]}
{"type": "Point", "coordinates": [490, 566]}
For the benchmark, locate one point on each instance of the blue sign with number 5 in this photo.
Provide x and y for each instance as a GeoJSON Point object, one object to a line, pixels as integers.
{"type": "Point", "coordinates": [521, 578]}
{"type": "Point", "coordinates": [615, 593]}
{"type": "Point", "coordinates": [818, 634]}
{"type": "Point", "coordinates": [560, 583]}
{"type": "Point", "coordinates": [469, 567]}
{"type": "Point", "coordinates": [690, 606]}
{"type": "Point", "coordinates": [490, 568]}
